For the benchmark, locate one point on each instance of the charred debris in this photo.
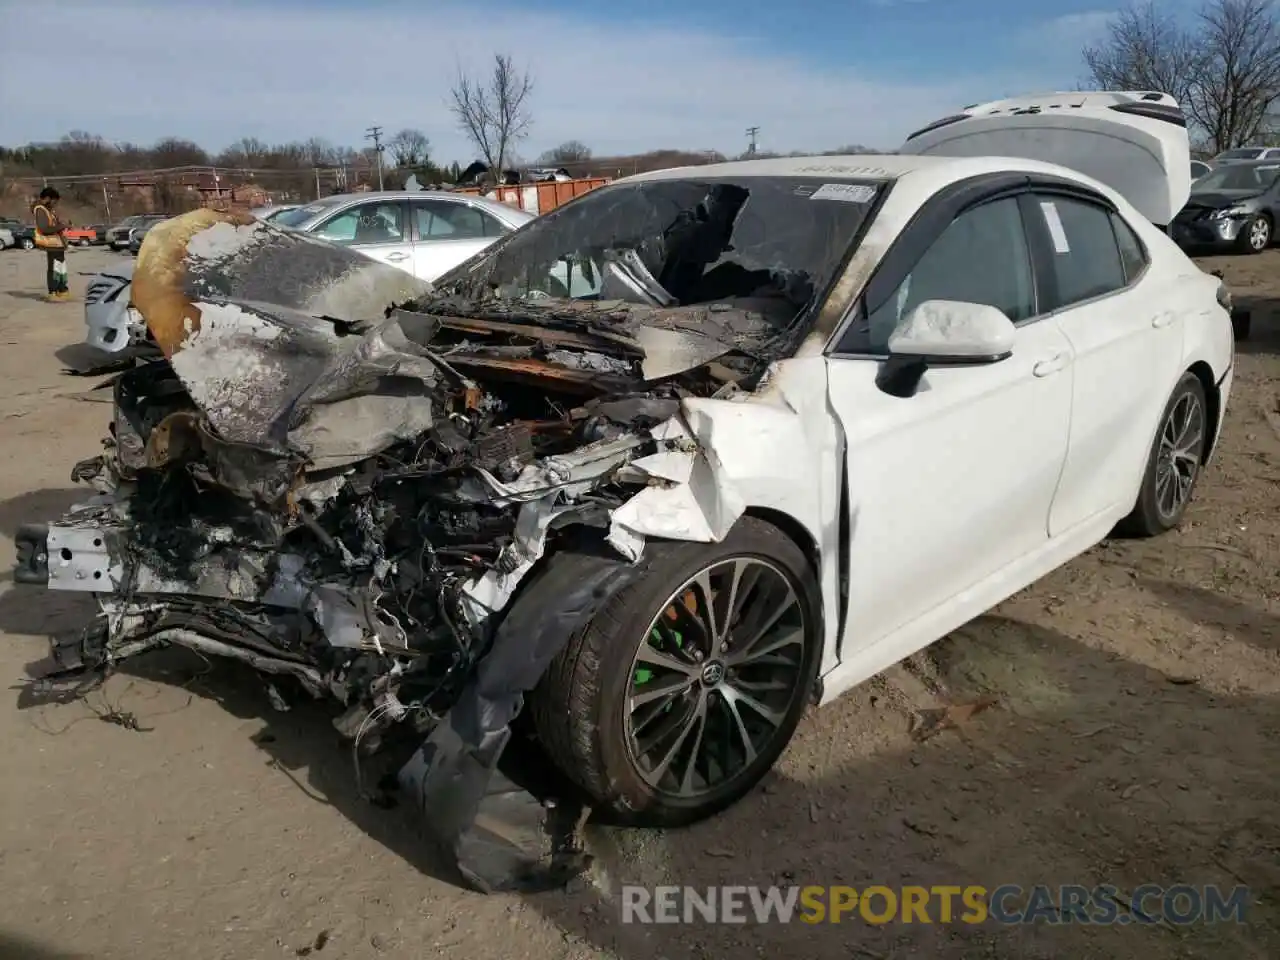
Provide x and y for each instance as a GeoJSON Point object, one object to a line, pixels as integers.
{"type": "Point", "coordinates": [361, 506]}
{"type": "Point", "coordinates": [527, 406]}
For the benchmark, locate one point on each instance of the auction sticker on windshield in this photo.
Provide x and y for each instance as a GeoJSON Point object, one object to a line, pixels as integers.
{"type": "Point", "coordinates": [848, 192]}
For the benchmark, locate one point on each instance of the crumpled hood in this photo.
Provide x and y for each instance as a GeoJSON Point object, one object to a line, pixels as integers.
{"type": "Point", "coordinates": [290, 343]}
{"type": "Point", "coordinates": [236, 308]}
{"type": "Point", "coordinates": [1216, 199]}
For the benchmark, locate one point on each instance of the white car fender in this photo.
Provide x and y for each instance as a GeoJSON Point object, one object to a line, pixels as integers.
{"type": "Point", "coordinates": [777, 453]}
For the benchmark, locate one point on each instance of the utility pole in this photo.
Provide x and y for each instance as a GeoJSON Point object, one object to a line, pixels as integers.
{"type": "Point", "coordinates": [106, 200]}
{"type": "Point", "coordinates": [317, 171]}
{"type": "Point", "coordinates": [375, 134]}
{"type": "Point", "coordinates": [751, 137]}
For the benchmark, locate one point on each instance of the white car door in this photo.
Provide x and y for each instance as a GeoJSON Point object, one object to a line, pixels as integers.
{"type": "Point", "coordinates": [447, 232]}
{"type": "Point", "coordinates": [952, 485]}
{"type": "Point", "coordinates": [1126, 337]}
{"type": "Point", "coordinates": [375, 228]}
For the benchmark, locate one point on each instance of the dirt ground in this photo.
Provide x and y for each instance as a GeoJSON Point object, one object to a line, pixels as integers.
{"type": "Point", "coordinates": [1134, 741]}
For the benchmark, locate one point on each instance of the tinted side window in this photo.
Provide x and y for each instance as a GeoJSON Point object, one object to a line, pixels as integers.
{"type": "Point", "coordinates": [447, 220]}
{"type": "Point", "coordinates": [1132, 257]}
{"type": "Point", "coordinates": [1086, 258]}
{"type": "Point", "coordinates": [981, 257]}
{"type": "Point", "coordinates": [366, 223]}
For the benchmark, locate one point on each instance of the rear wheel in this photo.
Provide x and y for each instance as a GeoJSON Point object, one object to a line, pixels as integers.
{"type": "Point", "coordinates": [1173, 466]}
{"type": "Point", "coordinates": [26, 243]}
{"type": "Point", "coordinates": [685, 689]}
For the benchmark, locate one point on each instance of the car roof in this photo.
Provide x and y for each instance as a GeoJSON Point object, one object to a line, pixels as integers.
{"type": "Point", "coordinates": [1269, 163]}
{"type": "Point", "coordinates": [506, 209]}
{"type": "Point", "coordinates": [867, 166]}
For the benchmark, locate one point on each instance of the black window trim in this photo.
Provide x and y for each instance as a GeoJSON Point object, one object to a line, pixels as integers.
{"type": "Point", "coordinates": [362, 202]}
{"type": "Point", "coordinates": [1042, 245]}
{"type": "Point", "coordinates": [504, 229]}
{"type": "Point", "coordinates": [924, 227]}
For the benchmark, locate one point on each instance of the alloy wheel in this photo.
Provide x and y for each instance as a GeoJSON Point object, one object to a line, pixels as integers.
{"type": "Point", "coordinates": [1259, 234]}
{"type": "Point", "coordinates": [714, 677]}
{"type": "Point", "coordinates": [1181, 446]}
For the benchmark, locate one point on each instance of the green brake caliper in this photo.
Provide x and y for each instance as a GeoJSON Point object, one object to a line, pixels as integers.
{"type": "Point", "coordinates": [643, 674]}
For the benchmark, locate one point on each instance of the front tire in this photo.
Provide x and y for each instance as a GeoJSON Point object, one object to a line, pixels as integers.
{"type": "Point", "coordinates": [1174, 464]}
{"type": "Point", "coordinates": [1256, 235]}
{"type": "Point", "coordinates": [683, 691]}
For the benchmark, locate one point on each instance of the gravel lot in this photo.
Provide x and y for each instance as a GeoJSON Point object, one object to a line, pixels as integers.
{"type": "Point", "coordinates": [1134, 741]}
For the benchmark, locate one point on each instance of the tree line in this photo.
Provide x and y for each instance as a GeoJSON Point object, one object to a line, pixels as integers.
{"type": "Point", "coordinates": [1222, 65]}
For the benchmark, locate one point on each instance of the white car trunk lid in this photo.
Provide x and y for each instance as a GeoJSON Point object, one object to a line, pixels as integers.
{"type": "Point", "coordinates": [1134, 142]}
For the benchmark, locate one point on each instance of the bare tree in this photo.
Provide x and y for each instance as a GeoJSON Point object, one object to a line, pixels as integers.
{"type": "Point", "coordinates": [409, 147]}
{"type": "Point", "coordinates": [1239, 78]}
{"type": "Point", "coordinates": [493, 113]}
{"type": "Point", "coordinates": [571, 151]}
{"type": "Point", "coordinates": [176, 152]}
{"type": "Point", "coordinates": [1224, 70]}
{"type": "Point", "coordinates": [1145, 49]}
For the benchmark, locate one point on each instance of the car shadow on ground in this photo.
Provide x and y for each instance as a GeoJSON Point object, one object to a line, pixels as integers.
{"type": "Point", "coordinates": [1092, 769]}
{"type": "Point", "coordinates": [14, 947]}
{"type": "Point", "coordinates": [85, 360]}
{"type": "Point", "coordinates": [23, 610]}
{"type": "Point", "coordinates": [1264, 326]}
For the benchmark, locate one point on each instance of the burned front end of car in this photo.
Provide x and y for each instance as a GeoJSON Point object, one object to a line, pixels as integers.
{"type": "Point", "coordinates": [407, 498]}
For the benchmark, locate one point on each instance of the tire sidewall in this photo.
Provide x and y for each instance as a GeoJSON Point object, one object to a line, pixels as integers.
{"type": "Point", "coordinates": [1189, 383]}
{"type": "Point", "coordinates": [638, 607]}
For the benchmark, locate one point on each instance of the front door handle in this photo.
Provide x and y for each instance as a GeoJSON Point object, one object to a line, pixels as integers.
{"type": "Point", "coordinates": [397, 257]}
{"type": "Point", "coordinates": [1162, 319]}
{"type": "Point", "coordinates": [1046, 367]}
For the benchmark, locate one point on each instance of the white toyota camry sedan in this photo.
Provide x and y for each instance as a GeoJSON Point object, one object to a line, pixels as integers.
{"type": "Point", "coordinates": [670, 463]}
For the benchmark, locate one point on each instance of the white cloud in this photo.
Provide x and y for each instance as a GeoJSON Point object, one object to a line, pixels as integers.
{"type": "Point", "coordinates": [214, 72]}
{"type": "Point", "coordinates": [1072, 31]}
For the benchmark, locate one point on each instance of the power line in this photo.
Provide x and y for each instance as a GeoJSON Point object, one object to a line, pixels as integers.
{"type": "Point", "coordinates": [751, 137]}
{"type": "Point", "coordinates": [375, 134]}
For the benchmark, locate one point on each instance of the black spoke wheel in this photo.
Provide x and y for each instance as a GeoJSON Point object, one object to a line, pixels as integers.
{"type": "Point", "coordinates": [688, 685]}
{"type": "Point", "coordinates": [1175, 461]}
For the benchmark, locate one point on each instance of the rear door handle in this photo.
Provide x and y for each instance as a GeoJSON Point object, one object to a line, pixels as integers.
{"type": "Point", "coordinates": [1162, 319]}
{"type": "Point", "coordinates": [397, 257]}
{"type": "Point", "coordinates": [1046, 367]}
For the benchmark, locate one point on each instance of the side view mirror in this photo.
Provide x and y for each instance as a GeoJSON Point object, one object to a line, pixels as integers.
{"type": "Point", "coordinates": [944, 333]}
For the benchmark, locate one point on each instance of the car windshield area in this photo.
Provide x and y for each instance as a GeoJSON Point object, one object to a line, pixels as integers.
{"type": "Point", "coordinates": [775, 241]}
{"type": "Point", "coordinates": [1239, 177]}
{"type": "Point", "coordinates": [300, 215]}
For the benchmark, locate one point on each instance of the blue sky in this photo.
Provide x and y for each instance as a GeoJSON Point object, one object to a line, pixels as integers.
{"type": "Point", "coordinates": [812, 74]}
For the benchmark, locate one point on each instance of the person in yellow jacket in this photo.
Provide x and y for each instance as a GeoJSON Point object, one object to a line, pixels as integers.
{"type": "Point", "coordinates": [50, 237]}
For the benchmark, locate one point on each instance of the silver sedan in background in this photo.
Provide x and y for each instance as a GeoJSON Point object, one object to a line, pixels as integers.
{"type": "Point", "coordinates": [423, 232]}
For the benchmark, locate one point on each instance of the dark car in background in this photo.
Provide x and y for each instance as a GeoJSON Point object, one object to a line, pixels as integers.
{"type": "Point", "coordinates": [118, 236]}
{"type": "Point", "coordinates": [24, 234]}
{"type": "Point", "coordinates": [1234, 207]}
{"type": "Point", "coordinates": [140, 231]}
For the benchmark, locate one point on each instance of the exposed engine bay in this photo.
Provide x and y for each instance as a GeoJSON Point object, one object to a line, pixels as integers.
{"type": "Point", "coordinates": [344, 477]}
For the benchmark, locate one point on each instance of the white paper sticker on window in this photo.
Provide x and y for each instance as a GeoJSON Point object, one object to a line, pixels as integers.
{"type": "Point", "coordinates": [1054, 223]}
{"type": "Point", "coordinates": [848, 192]}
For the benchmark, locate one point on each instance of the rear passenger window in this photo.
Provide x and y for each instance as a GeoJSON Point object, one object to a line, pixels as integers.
{"type": "Point", "coordinates": [1086, 258]}
{"type": "Point", "coordinates": [1132, 257]}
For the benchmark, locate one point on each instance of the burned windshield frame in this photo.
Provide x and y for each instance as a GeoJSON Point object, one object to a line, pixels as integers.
{"type": "Point", "coordinates": [682, 241]}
